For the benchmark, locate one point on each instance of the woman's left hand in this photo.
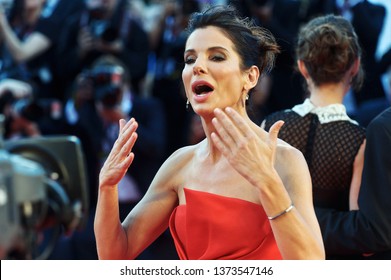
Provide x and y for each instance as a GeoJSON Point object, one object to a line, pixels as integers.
{"type": "Point", "coordinates": [250, 152]}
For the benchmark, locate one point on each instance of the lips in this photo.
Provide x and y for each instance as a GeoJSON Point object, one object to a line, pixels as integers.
{"type": "Point", "coordinates": [201, 88]}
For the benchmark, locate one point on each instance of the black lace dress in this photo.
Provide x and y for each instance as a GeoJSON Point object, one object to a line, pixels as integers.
{"type": "Point", "coordinates": [329, 140]}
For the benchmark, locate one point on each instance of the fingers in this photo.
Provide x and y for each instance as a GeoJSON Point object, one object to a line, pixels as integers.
{"type": "Point", "coordinates": [127, 130]}
{"type": "Point", "coordinates": [239, 122]}
{"type": "Point", "coordinates": [128, 146]}
{"type": "Point", "coordinates": [232, 129]}
{"type": "Point", "coordinates": [274, 130]}
{"type": "Point", "coordinates": [234, 123]}
{"type": "Point", "coordinates": [123, 125]}
{"type": "Point", "coordinates": [231, 126]}
{"type": "Point", "coordinates": [225, 136]}
{"type": "Point", "coordinates": [121, 155]}
{"type": "Point", "coordinates": [126, 137]}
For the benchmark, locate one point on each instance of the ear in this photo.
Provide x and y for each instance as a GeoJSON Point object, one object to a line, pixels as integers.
{"type": "Point", "coordinates": [355, 67]}
{"type": "Point", "coordinates": [252, 76]}
{"type": "Point", "coordinates": [303, 69]}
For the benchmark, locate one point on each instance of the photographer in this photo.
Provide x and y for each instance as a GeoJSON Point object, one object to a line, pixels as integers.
{"type": "Point", "coordinates": [12, 93]}
{"type": "Point", "coordinates": [28, 38]}
{"type": "Point", "coordinates": [101, 96]}
{"type": "Point", "coordinates": [103, 28]}
{"type": "Point", "coordinates": [26, 115]}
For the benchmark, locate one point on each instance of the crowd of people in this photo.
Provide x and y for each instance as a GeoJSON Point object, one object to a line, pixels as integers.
{"type": "Point", "coordinates": [178, 107]}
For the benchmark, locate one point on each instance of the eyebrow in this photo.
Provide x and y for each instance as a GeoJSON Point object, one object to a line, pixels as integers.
{"type": "Point", "coordinates": [216, 48]}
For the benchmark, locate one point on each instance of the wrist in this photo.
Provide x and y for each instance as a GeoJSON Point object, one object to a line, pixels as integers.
{"type": "Point", "coordinates": [279, 214]}
{"type": "Point", "coordinates": [107, 187]}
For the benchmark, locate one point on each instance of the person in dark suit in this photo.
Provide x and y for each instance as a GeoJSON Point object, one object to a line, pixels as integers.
{"type": "Point", "coordinates": [366, 231]}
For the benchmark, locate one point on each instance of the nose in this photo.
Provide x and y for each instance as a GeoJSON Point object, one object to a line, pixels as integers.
{"type": "Point", "coordinates": [199, 68]}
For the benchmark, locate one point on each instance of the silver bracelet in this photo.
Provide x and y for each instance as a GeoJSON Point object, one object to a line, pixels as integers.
{"type": "Point", "coordinates": [282, 213]}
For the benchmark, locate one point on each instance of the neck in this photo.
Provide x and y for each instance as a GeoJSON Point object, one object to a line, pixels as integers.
{"type": "Point", "coordinates": [212, 151]}
{"type": "Point", "coordinates": [328, 94]}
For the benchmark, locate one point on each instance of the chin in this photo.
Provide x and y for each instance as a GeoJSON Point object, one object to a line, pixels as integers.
{"type": "Point", "coordinates": [204, 111]}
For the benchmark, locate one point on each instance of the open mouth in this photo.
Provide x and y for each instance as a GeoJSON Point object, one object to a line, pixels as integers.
{"type": "Point", "coordinates": [202, 88]}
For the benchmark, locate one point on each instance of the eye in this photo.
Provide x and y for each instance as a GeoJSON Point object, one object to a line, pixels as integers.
{"type": "Point", "coordinates": [189, 59]}
{"type": "Point", "coordinates": [218, 57]}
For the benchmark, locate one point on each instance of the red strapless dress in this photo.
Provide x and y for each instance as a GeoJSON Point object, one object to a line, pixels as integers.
{"type": "Point", "coordinates": [211, 227]}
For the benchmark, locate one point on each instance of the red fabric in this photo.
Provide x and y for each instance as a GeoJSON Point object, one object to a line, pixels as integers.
{"type": "Point", "coordinates": [211, 227]}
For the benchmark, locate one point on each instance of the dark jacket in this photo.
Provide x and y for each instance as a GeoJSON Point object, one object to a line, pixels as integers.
{"type": "Point", "coordinates": [367, 230]}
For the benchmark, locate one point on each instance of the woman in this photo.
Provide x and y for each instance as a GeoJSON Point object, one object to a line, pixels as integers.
{"type": "Point", "coordinates": [234, 195]}
{"type": "Point", "coordinates": [328, 57]}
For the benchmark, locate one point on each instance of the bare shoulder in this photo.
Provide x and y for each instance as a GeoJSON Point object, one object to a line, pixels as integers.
{"type": "Point", "coordinates": [180, 156]}
{"type": "Point", "coordinates": [173, 171]}
{"type": "Point", "coordinates": [291, 165]}
{"type": "Point", "coordinates": [287, 151]}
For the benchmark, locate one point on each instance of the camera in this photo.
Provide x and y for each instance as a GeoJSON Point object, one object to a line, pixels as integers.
{"type": "Point", "coordinates": [107, 84]}
{"type": "Point", "coordinates": [99, 26]}
{"type": "Point", "coordinates": [43, 188]}
{"type": "Point", "coordinates": [30, 108]}
{"type": "Point", "coordinates": [34, 110]}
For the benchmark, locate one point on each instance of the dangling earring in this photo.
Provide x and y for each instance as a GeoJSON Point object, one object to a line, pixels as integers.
{"type": "Point", "coordinates": [244, 102]}
{"type": "Point", "coordinates": [247, 97]}
{"type": "Point", "coordinates": [187, 105]}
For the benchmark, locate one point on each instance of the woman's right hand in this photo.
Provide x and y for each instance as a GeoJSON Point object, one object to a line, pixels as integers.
{"type": "Point", "coordinates": [121, 155]}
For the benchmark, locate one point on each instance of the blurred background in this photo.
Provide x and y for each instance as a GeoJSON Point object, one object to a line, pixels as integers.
{"type": "Point", "coordinates": [69, 70]}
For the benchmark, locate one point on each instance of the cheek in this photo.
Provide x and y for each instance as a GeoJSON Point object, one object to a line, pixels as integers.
{"type": "Point", "coordinates": [231, 79]}
{"type": "Point", "coordinates": [186, 78]}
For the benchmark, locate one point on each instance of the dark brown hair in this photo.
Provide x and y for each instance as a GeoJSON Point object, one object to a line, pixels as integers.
{"type": "Point", "coordinates": [254, 44]}
{"type": "Point", "coordinates": [328, 46]}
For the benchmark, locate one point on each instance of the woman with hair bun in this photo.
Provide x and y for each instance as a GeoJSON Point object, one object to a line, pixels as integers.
{"type": "Point", "coordinates": [328, 58]}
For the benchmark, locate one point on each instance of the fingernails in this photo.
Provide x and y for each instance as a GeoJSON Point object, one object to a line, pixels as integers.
{"type": "Point", "coordinates": [229, 110]}
{"type": "Point", "coordinates": [226, 110]}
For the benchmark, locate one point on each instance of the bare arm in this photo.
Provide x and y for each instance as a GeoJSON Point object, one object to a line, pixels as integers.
{"type": "Point", "coordinates": [147, 220]}
{"type": "Point", "coordinates": [110, 236]}
{"type": "Point", "coordinates": [35, 44]}
{"type": "Point", "coordinates": [299, 233]}
{"type": "Point", "coordinates": [356, 178]}
{"type": "Point", "coordinates": [141, 227]}
{"type": "Point", "coordinates": [252, 152]}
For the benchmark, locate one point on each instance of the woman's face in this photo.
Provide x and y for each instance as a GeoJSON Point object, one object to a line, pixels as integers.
{"type": "Point", "coordinates": [212, 76]}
